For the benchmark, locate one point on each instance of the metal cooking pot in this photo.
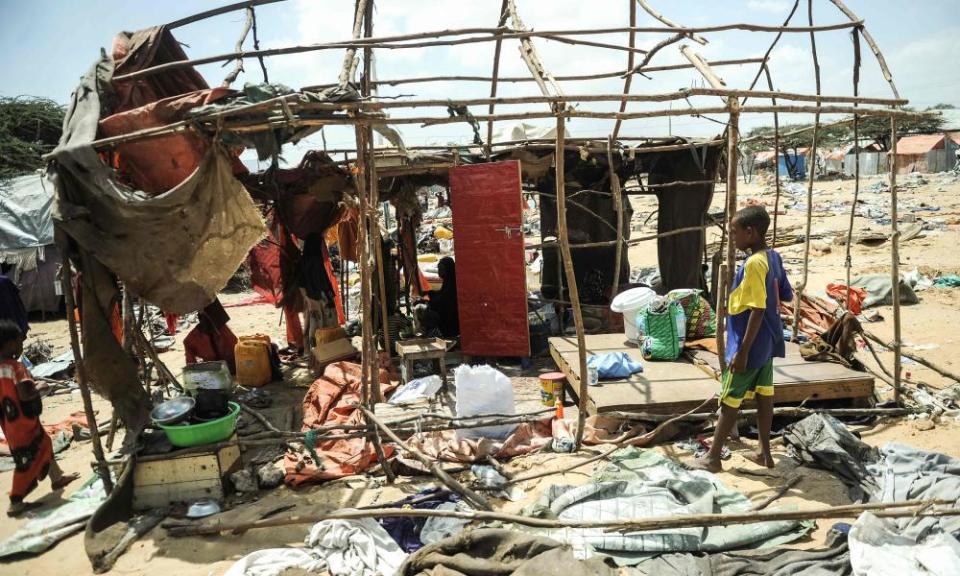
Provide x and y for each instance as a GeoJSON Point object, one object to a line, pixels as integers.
{"type": "Point", "coordinates": [173, 411]}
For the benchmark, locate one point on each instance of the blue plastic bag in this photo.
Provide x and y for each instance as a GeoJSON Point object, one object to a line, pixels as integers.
{"type": "Point", "coordinates": [614, 365]}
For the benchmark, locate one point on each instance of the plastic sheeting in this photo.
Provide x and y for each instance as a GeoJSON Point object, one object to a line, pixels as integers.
{"type": "Point", "coordinates": [49, 527]}
{"type": "Point", "coordinates": [333, 399]}
{"type": "Point", "coordinates": [647, 484]}
{"type": "Point", "coordinates": [26, 212]}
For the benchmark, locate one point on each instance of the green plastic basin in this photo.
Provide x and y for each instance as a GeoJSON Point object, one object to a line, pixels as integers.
{"type": "Point", "coordinates": [187, 435]}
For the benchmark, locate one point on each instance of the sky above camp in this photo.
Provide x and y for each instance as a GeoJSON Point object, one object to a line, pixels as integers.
{"type": "Point", "coordinates": [45, 45]}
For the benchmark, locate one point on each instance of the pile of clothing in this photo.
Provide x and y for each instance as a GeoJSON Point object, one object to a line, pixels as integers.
{"type": "Point", "coordinates": [895, 473]}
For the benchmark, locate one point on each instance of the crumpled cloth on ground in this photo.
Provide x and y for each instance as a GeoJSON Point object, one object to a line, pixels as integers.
{"type": "Point", "coordinates": [343, 547]}
{"type": "Point", "coordinates": [822, 441]}
{"type": "Point", "coordinates": [838, 344]}
{"type": "Point", "coordinates": [878, 549]}
{"type": "Point", "coordinates": [497, 552]}
{"type": "Point", "coordinates": [356, 547]}
{"type": "Point", "coordinates": [614, 365]}
{"type": "Point", "coordinates": [646, 484]}
{"type": "Point", "coordinates": [333, 399]}
{"type": "Point", "coordinates": [275, 561]}
{"type": "Point", "coordinates": [947, 281]}
{"type": "Point", "coordinates": [444, 445]}
{"type": "Point", "coordinates": [840, 291]}
{"type": "Point", "coordinates": [834, 560]}
{"type": "Point", "coordinates": [895, 473]}
{"type": "Point", "coordinates": [879, 288]}
{"type": "Point", "coordinates": [405, 531]}
{"type": "Point", "coordinates": [50, 526]}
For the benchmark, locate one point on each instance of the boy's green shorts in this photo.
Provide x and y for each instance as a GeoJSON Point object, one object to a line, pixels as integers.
{"type": "Point", "coordinates": [745, 385]}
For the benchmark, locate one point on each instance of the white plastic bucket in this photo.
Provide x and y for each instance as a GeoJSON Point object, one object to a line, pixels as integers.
{"type": "Point", "coordinates": [630, 303]}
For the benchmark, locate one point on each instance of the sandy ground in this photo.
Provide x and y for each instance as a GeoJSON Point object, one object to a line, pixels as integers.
{"type": "Point", "coordinates": [928, 327]}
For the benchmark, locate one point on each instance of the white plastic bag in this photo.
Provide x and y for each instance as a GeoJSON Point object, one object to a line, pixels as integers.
{"type": "Point", "coordinates": [483, 390]}
{"type": "Point", "coordinates": [426, 387]}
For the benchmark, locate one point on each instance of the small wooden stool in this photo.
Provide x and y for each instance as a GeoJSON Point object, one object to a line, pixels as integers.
{"type": "Point", "coordinates": [423, 349]}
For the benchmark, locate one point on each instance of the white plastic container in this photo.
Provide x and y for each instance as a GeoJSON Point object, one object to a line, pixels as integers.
{"type": "Point", "coordinates": [630, 303]}
{"type": "Point", "coordinates": [483, 390]}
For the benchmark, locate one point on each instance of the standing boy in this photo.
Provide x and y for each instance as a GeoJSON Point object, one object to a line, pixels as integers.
{"type": "Point", "coordinates": [20, 408]}
{"type": "Point", "coordinates": [754, 336]}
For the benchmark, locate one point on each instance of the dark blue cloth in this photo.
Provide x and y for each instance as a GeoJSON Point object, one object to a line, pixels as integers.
{"type": "Point", "coordinates": [406, 531]}
{"type": "Point", "coordinates": [769, 342]}
{"type": "Point", "coordinates": [11, 307]}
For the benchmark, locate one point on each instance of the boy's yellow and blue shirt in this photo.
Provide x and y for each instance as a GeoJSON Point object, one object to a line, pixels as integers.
{"type": "Point", "coordinates": [760, 284]}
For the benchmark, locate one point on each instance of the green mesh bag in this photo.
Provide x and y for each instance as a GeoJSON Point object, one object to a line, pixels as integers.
{"type": "Point", "coordinates": [663, 326]}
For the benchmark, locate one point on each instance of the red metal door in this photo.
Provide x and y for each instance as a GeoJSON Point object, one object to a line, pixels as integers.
{"type": "Point", "coordinates": [488, 245]}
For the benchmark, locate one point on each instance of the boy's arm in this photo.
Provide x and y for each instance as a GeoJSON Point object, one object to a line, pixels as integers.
{"type": "Point", "coordinates": [786, 290]}
{"type": "Point", "coordinates": [754, 323]}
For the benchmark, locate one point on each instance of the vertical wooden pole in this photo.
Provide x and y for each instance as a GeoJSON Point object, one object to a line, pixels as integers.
{"type": "Point", "coordinates": [66, 283]}
{"type": "Point", "coordinates": [631, 42]}
{"type": "Point", "coordinates": [369, 373]}
{"type": "Point", "coordinates": [618, 206]}
{"type": "Point", "coordinates": [373, 190]}
{"type": "Point", "coordinates": [848, 261]}
{"type": "Point", "coordinates": [571, 275]}
{"type": "Point", "coordinates": [776, 158]}
{"type": "Point", "coordinates": [812, 167]}
{"type": "Point", "coordinates": [895, 262]}
{"type": "Point", "coordinates": [728, 268]}
{"type": "Point", "coordinates": [498, 45]}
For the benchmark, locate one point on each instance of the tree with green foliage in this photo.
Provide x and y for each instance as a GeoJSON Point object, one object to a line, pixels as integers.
{"type": "Point", "coordinates": [29, 128]}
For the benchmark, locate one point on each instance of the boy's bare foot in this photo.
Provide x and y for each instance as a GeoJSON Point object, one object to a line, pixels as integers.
{"type": "Point", "coordinates": [705, 463]}
{"type": "Point", "coordinates": [760, 459]}
{"type": "Point", "coordinates": [64, 481]}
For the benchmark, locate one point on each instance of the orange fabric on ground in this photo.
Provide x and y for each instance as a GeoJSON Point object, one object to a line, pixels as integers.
{"type": "Point", "coordinates": [332, 399]}
{"type": "Point", "coordinates": [857, 296]}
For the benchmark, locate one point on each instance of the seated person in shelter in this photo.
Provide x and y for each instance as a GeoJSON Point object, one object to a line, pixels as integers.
{"type": "Point", "coordinates": [439, 316]}
{"type": "Point", "coordinates": [20, 409]}
{"type": "Point", "coordinates": [211, 340]}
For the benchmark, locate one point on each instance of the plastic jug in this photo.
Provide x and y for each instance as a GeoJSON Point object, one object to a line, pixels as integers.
{"type": "Point", "coordinates": [253, 360]}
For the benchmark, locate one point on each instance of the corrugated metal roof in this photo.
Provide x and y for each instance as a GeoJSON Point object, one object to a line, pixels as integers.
{"type": "Point", "coordinates": [919, 144]}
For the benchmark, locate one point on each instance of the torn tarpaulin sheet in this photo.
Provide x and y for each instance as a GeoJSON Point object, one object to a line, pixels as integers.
{"type": "Point", "coordinates": [176, 250]}
{"type": "Point", "coordinates": [333, 399]}
{"type": "Point", "coordinates": [822, 441]}
{"type": "Point", "coordinates": [895, 473]}
{"type": "Point", "coordinates": [647, 484]}
{"type": "Point", "coordinates": [877, 548]}
{"type": "Point", "coordinates": [879, 289]}
{"type": "Point", "coordinates": [444, 445]}
{"type": "Point", "coordinates": [50, 526]}
{"type": "Point", "coordinates": [496, 552]}
{"type": "Point", "coordinates": [834, 560]}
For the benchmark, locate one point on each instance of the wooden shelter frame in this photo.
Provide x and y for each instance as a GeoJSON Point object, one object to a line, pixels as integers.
{"type": "Point", "coordinates": [554, 103]}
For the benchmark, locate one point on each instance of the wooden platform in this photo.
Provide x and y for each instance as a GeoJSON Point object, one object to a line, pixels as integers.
{"type": "Point", "coordinates": [670, 387]}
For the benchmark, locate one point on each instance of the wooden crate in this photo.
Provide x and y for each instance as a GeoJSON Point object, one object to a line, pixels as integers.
{"type": "Point", "coordinates": [181, 479]}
